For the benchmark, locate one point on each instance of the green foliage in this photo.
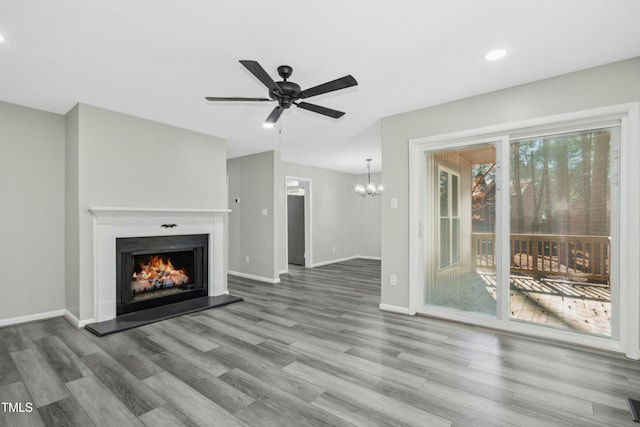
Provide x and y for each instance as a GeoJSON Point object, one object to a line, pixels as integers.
{"type": "Point", "coordinates": [556, 181]}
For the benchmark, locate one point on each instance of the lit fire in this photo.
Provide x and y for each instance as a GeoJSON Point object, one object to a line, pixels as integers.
{"type": "Point", "coordinates": [158, 274]}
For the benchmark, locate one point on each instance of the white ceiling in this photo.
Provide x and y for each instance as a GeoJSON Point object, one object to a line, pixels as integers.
{"type": "Point", "coordinates": [157, 59]}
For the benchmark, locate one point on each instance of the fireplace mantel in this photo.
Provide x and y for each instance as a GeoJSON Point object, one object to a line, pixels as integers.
{"type": "Point", "coordinates": [110, 223]}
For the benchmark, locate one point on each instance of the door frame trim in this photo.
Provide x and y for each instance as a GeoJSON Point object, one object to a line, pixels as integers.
{"type": "Point", "coordinates": [308, 222]}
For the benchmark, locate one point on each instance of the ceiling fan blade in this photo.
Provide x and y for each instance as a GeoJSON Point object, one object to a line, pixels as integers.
{"type": "Point", "coordinates": [321, 110]}
{"type": "Point", "coordinates": [257, 70]}
{"type": "Point", "coordinates": [274, 116]}
{"type": "Point", "coordinates": [222, 98]}
{"type": "Point", "coordinates": [337, 84]}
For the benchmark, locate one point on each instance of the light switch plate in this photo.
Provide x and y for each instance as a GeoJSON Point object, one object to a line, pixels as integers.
{"type": "Point", "coordinates": [394, 203]}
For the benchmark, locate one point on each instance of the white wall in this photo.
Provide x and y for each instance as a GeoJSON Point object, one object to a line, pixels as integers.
{"type": "Point", "coordinates": [602, 86]}
{"type": "Point", "coordinates": [32, 222]}
{"type": "Point", "coordinates": [125, 161]}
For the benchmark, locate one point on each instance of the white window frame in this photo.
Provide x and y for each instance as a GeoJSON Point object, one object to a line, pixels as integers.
{"type": "Point", "coordinates": [627, 117]}
{"type": "Point", "coordinates": [450, 172]}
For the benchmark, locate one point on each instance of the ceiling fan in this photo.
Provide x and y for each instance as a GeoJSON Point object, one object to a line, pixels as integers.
{"type": "Point", "coordinates": [287, 93]}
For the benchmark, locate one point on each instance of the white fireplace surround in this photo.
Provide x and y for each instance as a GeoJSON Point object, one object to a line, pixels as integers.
{"type": "Point", "coordinates": [112, 223]}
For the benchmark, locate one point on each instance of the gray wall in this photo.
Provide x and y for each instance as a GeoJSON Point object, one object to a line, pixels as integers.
{"type": "Point", "coordinates": [367, 220]}
{"type": "Point", "coordinates": [340, 218]}
{"type": "Point", "coordinates": [125, 161]}
{"type": "Point", "coordinates": [72, 212]}
{"type": "Point", "coordinates": [32, 222]}
{"type": "Point", "coordinates": [252, 179]}
{"type": "Point", "coordinates": [607, 85]}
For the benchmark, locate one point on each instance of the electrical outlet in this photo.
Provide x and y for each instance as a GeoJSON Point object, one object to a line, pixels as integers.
{"type": "Point", "coordinates": [264, 212]}
{"type": "Point", "coordinates": [393, 280]}
{"type": "Point", "coordinates": [334, 249]}
{"type": "Point", "coordinates": [246, 259]}
{"type": "Point", "coordinates": [394, 203]}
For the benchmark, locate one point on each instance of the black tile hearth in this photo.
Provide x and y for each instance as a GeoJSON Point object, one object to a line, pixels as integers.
{"type": "Point", "coordinates": [156, 314]}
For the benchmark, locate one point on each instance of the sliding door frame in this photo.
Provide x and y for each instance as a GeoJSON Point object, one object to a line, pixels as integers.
{"type": "Point", "coordinates": [627, 117]}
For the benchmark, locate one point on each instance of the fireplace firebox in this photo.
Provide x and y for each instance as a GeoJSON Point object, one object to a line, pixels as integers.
{"type": "Point", "coordinates": [159, 270]}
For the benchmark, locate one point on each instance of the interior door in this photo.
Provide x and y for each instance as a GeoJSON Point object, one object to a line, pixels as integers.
{"type": "Point", "coordinates": [295, 224]}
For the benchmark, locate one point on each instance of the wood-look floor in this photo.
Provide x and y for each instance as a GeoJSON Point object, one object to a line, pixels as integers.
{"type": "Point", "coordinates": [313, 350]}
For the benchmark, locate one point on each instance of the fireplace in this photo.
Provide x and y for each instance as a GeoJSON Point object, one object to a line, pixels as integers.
{"type": "Point", "coordinates": [158, 270]}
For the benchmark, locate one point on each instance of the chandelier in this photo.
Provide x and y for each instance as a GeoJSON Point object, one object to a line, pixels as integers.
{"type": "Point", "coordinates": [370, 189]}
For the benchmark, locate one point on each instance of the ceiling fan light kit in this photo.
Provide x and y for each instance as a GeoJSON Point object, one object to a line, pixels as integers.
{"type": "Point", "coordinates": [288, 93]}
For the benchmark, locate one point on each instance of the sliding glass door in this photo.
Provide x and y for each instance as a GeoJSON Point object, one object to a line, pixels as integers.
{"type": "Point", "coordinates": [539, 250]}
{"type": "Point", "coordinates": [560, 243]}
{"type": "Point", "coordinates": [460, 195]}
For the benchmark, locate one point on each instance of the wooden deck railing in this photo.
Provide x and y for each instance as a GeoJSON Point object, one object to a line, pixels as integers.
{"type": "Point", "coordinates": [549, 255]}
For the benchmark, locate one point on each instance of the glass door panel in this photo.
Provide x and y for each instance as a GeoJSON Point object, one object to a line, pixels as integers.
{"type": "Point", "coordinates": [460, 218]}
{"type": "Point", "coordinates": [560, 239]}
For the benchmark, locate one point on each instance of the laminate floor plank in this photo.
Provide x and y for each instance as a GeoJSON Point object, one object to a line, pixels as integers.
{"type": "Point", "coordinates": [39, 377]}
{"type": "Point", "coordinates": [78, 341]}
{"type": "Point", "coordinates": [66, 412]}
{"type": "Point", "coordinates": [356, 363]}
{"type": "Point", "coordinates": [355, 414]}
{"type": "Point", "coordinates": [13, 339]}
{"type": "Point", "coordinates": [194, 405]}
{"type": "Point", "coordinates": [132, 392]}
{"type": "Point", "coordinates": [166, 416]}
{"type": "Point", "coordinates": [17, 393]}
{"type": "Point", "coordinates": [298, 334]}
{"type": "Point", "coordinates": [64, 362]}
{"type": "Point", "coordinates": [269, 373]}
{"type": "Point", "coordinates": [543, 381]}
{"type": "Point", "coordinates": [437, 406]}
{"type": "Point", "coordinates": [182, 333]}
{"type": "Point", "coordinates": [261, 414]}
{"type": "Point", "coordinates": [191, 355]}
{"type": "Point", "coordinates": [289, 405]}
{"type": "Point", "coordinates": [203, 381]}
{"type": "Point", "coordinates": [486, 406]}
{"type": "Point", "coordinates": [364, 396]}
{"type": "Point", "coordinates": [230, 330]}
{"type": "Point", "coordinates": [252, 327]}
{"type": "Point", "coordinates": [313, 350]}
{"type": "Point", "coordinates": [100, 404]}
{"type": "Point", "coordinates": [8, 372]}
{"type": "Point", "coordinates": [257, 312]}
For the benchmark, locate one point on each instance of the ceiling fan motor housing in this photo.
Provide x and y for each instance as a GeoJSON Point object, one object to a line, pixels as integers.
{"type": "Point", "coordinates": [289, 92]}
{"type": "Point", "coordinates": [285, 71]}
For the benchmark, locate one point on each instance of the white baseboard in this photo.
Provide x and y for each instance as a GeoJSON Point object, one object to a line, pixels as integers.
{"type": "Point", "coordinates": [252, 277]}
{"type": "Point", "coordinates": [283, 271]}
{"type": "Point", "coordinates": [71, 318]}
{"type": "Point", "coordinates": [333, 261]}
{"type": "Point", "coordinates": [393, 308]}
{"type": "Point", "coordinates": [31, 318]}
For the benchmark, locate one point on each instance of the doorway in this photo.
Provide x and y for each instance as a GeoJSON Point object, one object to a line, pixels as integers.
{"type": "Point", "coordinates": [298, 221]}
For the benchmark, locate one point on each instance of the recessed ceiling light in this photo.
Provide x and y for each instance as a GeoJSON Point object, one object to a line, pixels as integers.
{"type": "Point", "coordinates": [494, 55]}
{"type": "Point", "coordinates": [268, 125]}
